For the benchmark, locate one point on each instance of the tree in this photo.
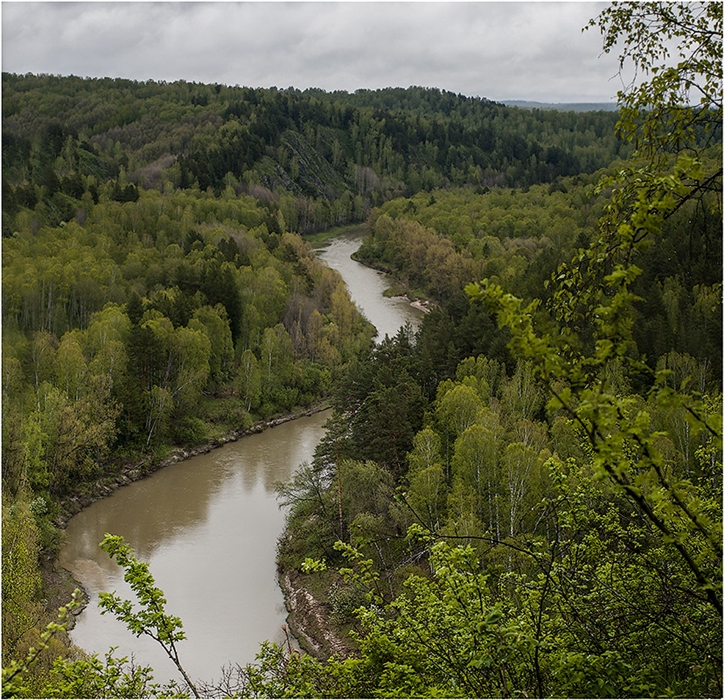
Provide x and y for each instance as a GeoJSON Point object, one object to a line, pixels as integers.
{"type": "Point", "coordinates": [662, 113]}
{"type": "Point", "coordinates": [476, 464]}
{"type": "Point", "coordinates": [71, 367]}
{"type": "Point", "coordinates": [457, 407]}
{"type": "Point", "coordinates": [672, 113]}
{"type": "Point", "coordinates": [589, 317]}
{"type": "Point", "coordinates": [277, 361]}
{"type": "Point", "coordinates": [248, 380]}
{"type": "Point", "coordinates": [21, 581]}
{"type": "Point", "coordinates": [17, 680]}
{"type": "Point", "coordinates": [387, 422]}
{"type": "Point", "coordinates": [428, 490]}
{"type": "Point", "coordinates": [410, 650]}
{"type": "Point", "coordinates": [214, 322]}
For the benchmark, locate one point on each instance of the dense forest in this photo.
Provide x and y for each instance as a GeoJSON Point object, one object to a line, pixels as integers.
{"type": "Point", "coordinates": [523, 498]}
{"type": "Point", "coordinates": [314, 159]}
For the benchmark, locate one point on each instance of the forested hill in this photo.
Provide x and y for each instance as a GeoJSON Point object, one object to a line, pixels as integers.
{"type": "Point", "coordinates": [564, 106]}
{"type": "Point", "coordinates": [322, 158]}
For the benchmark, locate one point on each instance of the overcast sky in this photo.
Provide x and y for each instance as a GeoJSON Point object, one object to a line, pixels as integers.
{"type": "Point", "coordinates": [498, 50]}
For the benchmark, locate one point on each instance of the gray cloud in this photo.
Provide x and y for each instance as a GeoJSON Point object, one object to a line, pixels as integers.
{"type": "Point", "coordinates": [500, 50]}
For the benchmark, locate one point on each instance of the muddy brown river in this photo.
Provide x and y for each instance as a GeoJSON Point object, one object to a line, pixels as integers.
{"type": "Point", "coordinates": [208, 526]}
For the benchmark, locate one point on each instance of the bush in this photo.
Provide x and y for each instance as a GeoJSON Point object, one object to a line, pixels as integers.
{"type": "Point", "coordinates": [191, 431]}
{"type": "Point", "coordinates": [345, 599]}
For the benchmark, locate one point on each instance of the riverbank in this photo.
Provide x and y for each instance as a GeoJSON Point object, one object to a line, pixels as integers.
{"type": "Point", "coordinates": [310, 618]}
{"type": "Point", "coordinates": [59, 583]}
{"type": "Point", "coordinates": [127, 474]}
{"type": "Point", "coordinates": [401, 289]}
{"type": "Point", "coordinates": [420, 305]}
{"type": "Point", "coordinates": [313, 617]}
{"type": "Point", "coordinates": [320, 239]}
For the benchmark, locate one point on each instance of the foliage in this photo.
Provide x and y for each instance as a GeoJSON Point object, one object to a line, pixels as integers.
{"type": "Point", "coordinates": [593, 537]}
{"type": "Point", "coordinates": [15, 675]}
{"type": "Point", "coordinates": [664, 107]}
{"type": "Point", "coordinates": [78, 675]}
{"type": "Point", "coordinates": [519, 239]}
{"type": "Point", "coordinates": [116, 330]}
{"type": "Point", "coordinates": [440, 242]}
{"type": "Point", "coordinates": [576, 359]}
{"type": "Point", "coordinates": [21, 582]}
{"type": "Point", "coordinates": [110, 677]}
{"type": "Point", "coordinates": [314, 159]}
{"type": "Point", "coordinates": [152, 619]}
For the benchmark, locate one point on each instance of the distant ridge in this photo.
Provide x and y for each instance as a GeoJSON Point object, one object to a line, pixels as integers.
{"type": "Point", "coordinates": [564, 106]}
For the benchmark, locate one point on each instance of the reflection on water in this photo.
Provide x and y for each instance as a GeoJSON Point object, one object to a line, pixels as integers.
{"type": "Point", "coordinates": [208, 528]}
{"type": "Point", "coordinates": [366, 286]}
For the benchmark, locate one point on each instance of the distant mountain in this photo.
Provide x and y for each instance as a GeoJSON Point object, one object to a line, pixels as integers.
{"type": "Point", "coordinates": [564, 106]}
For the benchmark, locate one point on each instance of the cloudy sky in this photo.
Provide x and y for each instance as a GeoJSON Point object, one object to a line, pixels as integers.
{"type": "Point", "coordinates": [498, 50]}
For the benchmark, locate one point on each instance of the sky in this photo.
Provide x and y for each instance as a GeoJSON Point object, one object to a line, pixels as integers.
{"type": "Point", "coordinates": [499, 50]}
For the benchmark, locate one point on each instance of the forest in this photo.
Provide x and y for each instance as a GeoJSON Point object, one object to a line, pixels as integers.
{"type": "Point", "coordinates": [521, 499]}
{"type": "Point", "coordinates": [317, 159]}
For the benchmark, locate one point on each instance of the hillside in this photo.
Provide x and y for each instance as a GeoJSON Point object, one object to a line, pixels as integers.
{"type": "Point", "coordinates": [320, 159]}
{"type": "Point", "coordinates": [565, 106]}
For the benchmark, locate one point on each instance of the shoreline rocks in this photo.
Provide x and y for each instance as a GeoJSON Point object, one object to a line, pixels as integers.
{"type": "Point", "coordinates": [423, 306]}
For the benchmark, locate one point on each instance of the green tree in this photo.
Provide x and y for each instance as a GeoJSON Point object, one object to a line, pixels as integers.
{"type": "Point", "coordinates": [427, 487]}
{"type": "Point", "coordinates": [457, 407]}
{"type": "Point", "coordinates": [23, 677]}
{"type": "Point", "coordinates": [673, 53]}
{"type": "Point", "coordinates": [214, 322]}
{"type": "Point", "coordinates": [410, 651]}
{"type": "Point", "coordinates": [75, 435]}
{"type": "Point", "coordinates": [476, 464]}
{"type": "Point", "coordinates": [248, 380]}
{"type": "Point", "coordinates": [590, 313]}
{"type": "Point", "coordinates": [21, 581]}
{"type": "Point", "coordinates": [71, 366]}
{"type": "Point", "coordinates": [277, 364]}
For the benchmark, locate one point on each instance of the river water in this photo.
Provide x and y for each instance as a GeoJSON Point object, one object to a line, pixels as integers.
{"type": "Point", "coordinates": [208, 526]}
{"type": "Point", "coordinates": [366, 286]}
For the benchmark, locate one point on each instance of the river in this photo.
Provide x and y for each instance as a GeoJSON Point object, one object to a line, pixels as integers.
{"type": "Point", "coordinates": [208, 526]}
{"type": "Point", "coordinates": [366, 285]}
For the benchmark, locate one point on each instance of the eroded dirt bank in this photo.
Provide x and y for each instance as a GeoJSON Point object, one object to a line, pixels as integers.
{"type": "Point", "coordinates": [309, 620]}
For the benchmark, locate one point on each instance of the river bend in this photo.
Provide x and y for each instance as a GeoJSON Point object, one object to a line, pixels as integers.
{"type": "Point", "coordinates": [208, 526]}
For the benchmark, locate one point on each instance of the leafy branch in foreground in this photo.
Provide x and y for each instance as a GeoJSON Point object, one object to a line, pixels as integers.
{"type": "Point", "coordinates": [152, 619]}
{"type": "Point", "coordinates": [686, 96]}
{"type": "Point", "coordinates": [585, 335]}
